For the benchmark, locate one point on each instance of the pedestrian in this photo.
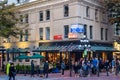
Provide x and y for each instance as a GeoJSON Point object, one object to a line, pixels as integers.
{"type": "Point", "coordinates": [12, 72]}
{"type": "Point", "coordinates": [89, 68]}
{"type": "Point", "coordinates": [63, 67]}
{"type": "Point", "coordinates": [107, 67]}
{"type": "Point", "coordinates": [32, 68]}
{"type": "Point", "coordinates": [75, 68]}
{"type": "Point", "coordinates": [113, 65]}
{"type": "Point", "coordinates": [117, 67]}
{"type": "Point", "coordinates": [7, 69]}
{"type": "Point", "coordinates": [46, 68]}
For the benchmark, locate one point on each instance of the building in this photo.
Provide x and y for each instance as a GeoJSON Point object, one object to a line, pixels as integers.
{"type": "Point", "coordinates": [51, 30]}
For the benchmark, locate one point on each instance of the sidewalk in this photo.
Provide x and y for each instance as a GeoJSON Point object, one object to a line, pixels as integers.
{"type": "Point", "coordinates": [57, 76]}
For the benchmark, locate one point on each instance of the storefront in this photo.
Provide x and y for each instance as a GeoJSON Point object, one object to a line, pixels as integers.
{"type": "Point", "coordinates": [116, 55]}
{"type": "Point", "coordinates": [60, 50]}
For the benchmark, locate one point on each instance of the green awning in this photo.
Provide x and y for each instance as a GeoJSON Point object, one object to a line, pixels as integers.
{"type": "Point", "coordinates": [36, 56]}
{"type": "Point", "coordinates": [102, 48]}
{"type": "Point", "coordinates": [22, 57]}
{"type": "Point", "coordinates": [17, 50]}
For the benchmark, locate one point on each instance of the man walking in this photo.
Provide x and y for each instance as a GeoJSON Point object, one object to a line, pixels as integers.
{"type": "Point", "coordinates": [63, 67]}
{"type": "Point", "coordinates": [46, 68]}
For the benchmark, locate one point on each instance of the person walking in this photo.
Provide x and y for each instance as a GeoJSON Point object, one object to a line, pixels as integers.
{"type": "Point", "coordinates": [7, 69]}
{"type": "Point", "coordinates": [63, 67]}
{"type": "Point", "coordinates": [12, 72]}
{"type": "Point", "coordinates": [107, 67]}
{"type": "Point", "coordinates": [32, 68]}
{"type": "Point", "coordinates": [113, 65]}
{"type": "Point", "coordinates": [46, 68]}
{"type": "Point", "coordinates": [75, 68]}
{"type": "Point", "coordinates": [117, 67]}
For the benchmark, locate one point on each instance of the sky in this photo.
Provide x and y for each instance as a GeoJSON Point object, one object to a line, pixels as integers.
{"type": "Point", "coordinates": [15, 1]}
{"type": "Point", "coordinates": [11, 1]}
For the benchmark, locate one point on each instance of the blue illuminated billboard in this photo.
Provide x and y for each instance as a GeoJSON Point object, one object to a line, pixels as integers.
{"type": "Point", "coordinates": [77, 28]}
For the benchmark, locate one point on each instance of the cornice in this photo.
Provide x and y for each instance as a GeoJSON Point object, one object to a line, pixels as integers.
{"type": "Point", "coordinates": [93, 3]}
{"type": "Point", "coordinates": [29, 4]}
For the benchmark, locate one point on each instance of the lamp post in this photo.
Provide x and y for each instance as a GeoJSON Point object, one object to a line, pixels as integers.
{"type": "Point", "coordinates": [69, 56]}
{"type": "Point", "coordinates": [85, 44]}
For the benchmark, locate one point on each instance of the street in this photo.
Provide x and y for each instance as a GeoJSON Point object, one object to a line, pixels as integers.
{"type": "Point", "coordinates": [57, 76]}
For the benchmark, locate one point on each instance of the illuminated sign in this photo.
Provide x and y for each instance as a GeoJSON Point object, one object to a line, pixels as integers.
{"type": "Point", "coordinates": [58, 37]}
{"type": "Point", "coordinates": [72, 35]}
{"type": "Point", "coordinates": [77, 28]}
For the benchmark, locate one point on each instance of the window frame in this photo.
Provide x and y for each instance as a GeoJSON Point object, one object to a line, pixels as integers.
{"type": "Point", "coordinates": [66, 10]}
{"type": "Point", "coordinates": [66, 27]}
{"type": "Point", "coordinates": [41, 15]}
{"type": "Point", "coordinates": [48, 14]}
{"type": "Point", "coordinates": [91, 32]}
{"type": "Point", "coordinates": [87, 11]}
{"type": "Point", "coordinates": [40, 33]}
{"type": "Point", "coordinates": [47, 35]}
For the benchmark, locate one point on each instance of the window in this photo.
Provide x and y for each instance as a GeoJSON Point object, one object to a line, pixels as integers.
{"type": "Point", "coordinates": [66, 31]}
{"type": "Point", "coordinates": [26, 18]}
{"type": "Point", "coordinates": [21, 18]}
{"type": "Point", "coordinates": [85, 30]}
{"type": "Point", "coordinates": [87, 11]}
{"type": "Point", "coordinates": [91, 32]}
{"type": "Point", "coordinates": [26, 35]}
{"type": "Point", "coordinates": [117, 29]}
{"type": "Point", "coordinates": [96, 14]}
{"type": "Point", "coordinates": [21, 35]}
{"type": "Point", "coordinates": [106, 34]}
{"type": "Point", "coordinates": [47, 14]}
{"type": "Point", "coordinates": [66, 10]}
{"type": "Point", "coordinates": [41, 15]}
{"type": "Point", "coordinates": [47, 33]}
{"type": "Point", "coordinates": [103, 16]}
{"type": "Point", "coordinates": [41, 33]}
{"type": "Point", "coordinates": [101, 33]}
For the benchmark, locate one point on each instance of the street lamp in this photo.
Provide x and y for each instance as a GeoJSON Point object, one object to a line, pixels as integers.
{"type": "Point", "coordinates": [85, 44]}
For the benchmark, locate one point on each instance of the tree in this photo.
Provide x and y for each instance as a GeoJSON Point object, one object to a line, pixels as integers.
{"type": "Point", "coordinates": [8, 21]}
{"type": "Point", "coordinates": [113, 8]}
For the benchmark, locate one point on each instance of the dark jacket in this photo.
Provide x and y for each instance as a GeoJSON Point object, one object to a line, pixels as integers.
{"type": "Point", "coordinates": [46, 66]}
{"type": "Point", "coordinates": [12, 71]}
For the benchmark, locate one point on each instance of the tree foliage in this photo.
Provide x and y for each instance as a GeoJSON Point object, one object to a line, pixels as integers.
{"type": "Point", "coordinates": [113, 8]}
{"type": "Point", "coordinates": [8, 21]}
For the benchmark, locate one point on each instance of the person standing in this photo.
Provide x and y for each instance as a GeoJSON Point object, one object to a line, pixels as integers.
{"type": "Point", "coordinates": [12, 72]}
{"type": "Point", "coordinates": [63, 67]}
{"type": "Point", "coordinates": [32, 68]}
{"type": "Point", "coordinates": [7, 69]}
{"type": "Point", "coordinates": [46, 68]}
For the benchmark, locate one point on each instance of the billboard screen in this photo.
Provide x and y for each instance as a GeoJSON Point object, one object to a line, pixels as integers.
{"type": "Point", "coordinates": [77, 28]}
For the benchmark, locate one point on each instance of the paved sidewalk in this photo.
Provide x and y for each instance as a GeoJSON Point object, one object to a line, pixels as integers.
{"type": "Point", "coordinates": [57, 76]}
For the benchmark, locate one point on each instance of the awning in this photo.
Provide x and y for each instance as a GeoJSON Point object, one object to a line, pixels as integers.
{"type": "Point", "coordinates": [72, 48]}
{"type": "Point", "coordinates": [22, 57]}
{"type": "Point", "coordinates": [17, 50]}
{"type": "Point", "coordinates": [102, 48]}
{"type": "Point", "coordinates": [36, 56]}
{"type": "Point", "coordinates": [58, 48]}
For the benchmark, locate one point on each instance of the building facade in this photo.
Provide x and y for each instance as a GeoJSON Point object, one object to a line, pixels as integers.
{"type": "Point", "coordinates": [49, 29]}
